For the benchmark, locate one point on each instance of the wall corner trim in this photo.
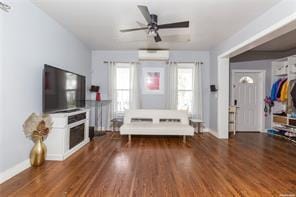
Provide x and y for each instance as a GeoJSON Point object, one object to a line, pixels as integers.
{"type": "Point", "coordinates": [18, 168]}
{"type": "Point", "coordinates": [214, 133]}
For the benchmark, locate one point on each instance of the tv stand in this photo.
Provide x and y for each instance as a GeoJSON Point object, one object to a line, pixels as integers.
{"type": "Point", "coordinates": [69, 133]}
{"type": "Point", "coordinates": [68, 111]}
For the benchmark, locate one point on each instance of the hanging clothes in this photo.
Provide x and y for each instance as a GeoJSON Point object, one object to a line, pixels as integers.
{"type": "Point", "coordinates": [293, 93]}
{"type": "Point", "coordinates": [273, 94]}
{"type": "Point", "coordinates": [284, 92]}
{"type": "Point", "coordinates": [279, 90]}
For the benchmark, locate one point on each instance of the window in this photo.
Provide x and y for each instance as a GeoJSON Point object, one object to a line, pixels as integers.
{"type": "Point", "coordinates": [246, 79]}
{"type": "Point", "coordinates": [122, 87]}
{"type": "Point", "coordinates": [185, 88]}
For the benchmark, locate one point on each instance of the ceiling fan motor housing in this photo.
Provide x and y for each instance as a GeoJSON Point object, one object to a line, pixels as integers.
{"type": "Point", "coordinates": [153, 25]}
{"type": "Point", "coordinates": [153, 18]}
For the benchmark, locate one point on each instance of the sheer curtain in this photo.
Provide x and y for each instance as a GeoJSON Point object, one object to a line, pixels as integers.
{"type": "Point", "coordinates": [134, 102]}
{"type": "Point", "coordinates": [172, 94]}
{"type": "Point", "coordinates": [197, 108]}
{"type": "Point", "coordinates": [172, 86]}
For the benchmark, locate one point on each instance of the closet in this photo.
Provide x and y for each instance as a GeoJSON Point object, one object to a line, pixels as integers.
{"type": "Point", "coordinates": [283, 95]}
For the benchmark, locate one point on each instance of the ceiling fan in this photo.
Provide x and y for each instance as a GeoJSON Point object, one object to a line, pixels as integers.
{"type": "Point", "coordinates": [152, 25]}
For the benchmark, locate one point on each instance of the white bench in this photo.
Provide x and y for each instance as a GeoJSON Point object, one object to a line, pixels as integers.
{"type": "Point", "coordinates": [156, 122]}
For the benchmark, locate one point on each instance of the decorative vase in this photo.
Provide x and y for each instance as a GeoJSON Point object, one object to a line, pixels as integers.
{"type": "Point", "coordinates": [38, 152]}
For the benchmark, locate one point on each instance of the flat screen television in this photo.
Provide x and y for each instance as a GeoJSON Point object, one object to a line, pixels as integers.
{"type": "Point", "coordinates": [62, 90]}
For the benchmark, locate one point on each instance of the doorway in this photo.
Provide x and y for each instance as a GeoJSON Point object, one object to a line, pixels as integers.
{"type": "Point", "coordinates": [247, 93]}
{"type": "Point", "coordinates": [268, 33]}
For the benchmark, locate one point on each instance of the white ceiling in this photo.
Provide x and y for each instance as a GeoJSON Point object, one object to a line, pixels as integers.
{"type": "Point", "coordinates": [97, 22]}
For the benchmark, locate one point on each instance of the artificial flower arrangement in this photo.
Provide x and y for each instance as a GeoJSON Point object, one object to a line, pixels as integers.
{"type": "Point", "coordinates": [37, 126]}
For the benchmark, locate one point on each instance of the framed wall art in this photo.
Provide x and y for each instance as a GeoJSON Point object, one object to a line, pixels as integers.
{"type": "Point", "coordinates": [153, 80]}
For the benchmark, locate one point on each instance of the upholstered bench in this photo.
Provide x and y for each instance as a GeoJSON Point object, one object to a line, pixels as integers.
{"type": "Point", "coordinates": [156, 122]}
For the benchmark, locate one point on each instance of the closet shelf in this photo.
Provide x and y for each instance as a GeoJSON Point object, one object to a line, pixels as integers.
{"type": "Point", "coordinates": [290, 126]}
{"type": "Point", "coordinates": [284, 129]}
{"type": "Point", "coordinates": [279, 115]}
{"type": "Point", "coordinates": [282, 136]}
{"type": "Point", "coordinates": [281, 75]}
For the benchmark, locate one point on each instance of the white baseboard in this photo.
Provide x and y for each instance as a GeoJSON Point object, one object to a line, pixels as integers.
{"type": "Point", "coordinates": [54, 157]}
{"type": "Point", "coordinates": [205, 130]}
{"type": "Point", "coordinates": [214, 133]}
{"type": "Point", "coordinates": [18, 168]}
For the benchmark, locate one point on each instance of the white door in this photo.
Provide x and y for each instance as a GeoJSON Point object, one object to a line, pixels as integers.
{"type": "Point", "coordinates": [247, 95]}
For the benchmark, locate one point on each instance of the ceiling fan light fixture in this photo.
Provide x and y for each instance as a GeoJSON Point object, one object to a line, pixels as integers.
{"type": "Point", "coordinates": [152, 33]}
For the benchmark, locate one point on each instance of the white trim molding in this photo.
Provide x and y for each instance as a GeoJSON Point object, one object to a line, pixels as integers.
{"type": "Point", "coordinates": [281, 27]}
{"type": "Point", "coordinates": [213, 133]}
{"type": "Point", "coordinates": [11, 172]}
{"type": "Point", "coordinates": [223, 97]}
{"type": "Point", "coordinates": [205, 130]}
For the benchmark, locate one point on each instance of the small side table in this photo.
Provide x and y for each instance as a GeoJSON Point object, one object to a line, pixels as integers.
{"type": "Point", "coordinates": [232, 119]}
{"type": "Point", "coordinates": [116, 124]}
{"type": "Point", "coordinates": [196, 123]}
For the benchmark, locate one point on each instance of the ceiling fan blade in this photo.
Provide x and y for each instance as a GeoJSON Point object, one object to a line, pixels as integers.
{"type": "Point", "coordinates": [157, 38]}
{"type": "Point", "coordinates": [134, 29]}
{"type": "Point", "coordinates": [145, 12]}
{"type": "Point", "coordinates": [183, 24]}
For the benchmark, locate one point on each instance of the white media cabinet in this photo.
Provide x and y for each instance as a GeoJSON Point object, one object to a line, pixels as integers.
{"type": "Point", "coordinates": [58, 142]}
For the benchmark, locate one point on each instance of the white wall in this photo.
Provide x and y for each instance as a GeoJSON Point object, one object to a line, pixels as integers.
{"type": "Point", "coordinates": [214, 95]}
{"type": "Point", "coordinates": [282, 10]}
{"type": "Point", "coordinates": [150, 101]}
{"type": "Point", "coordinates": [100, 73]}
{"type": "Point", "coordinates": [256, 65]}
{"type": "Point", "coordinates": [31, 39]}
{"type": "Point", "coordinates": [1, 86]}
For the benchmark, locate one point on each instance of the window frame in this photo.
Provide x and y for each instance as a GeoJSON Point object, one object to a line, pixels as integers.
{"type": "Point", "coordinates": [185, 66]}
{"type": "Point", "coordinates": [116, 90]}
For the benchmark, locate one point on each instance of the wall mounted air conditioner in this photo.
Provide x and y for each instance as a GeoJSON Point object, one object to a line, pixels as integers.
{"type": "Point", "coordinates": [153, 55]}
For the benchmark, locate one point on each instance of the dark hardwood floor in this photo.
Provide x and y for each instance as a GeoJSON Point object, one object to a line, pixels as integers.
{"type": "Point", "coordinates": [250, 164]}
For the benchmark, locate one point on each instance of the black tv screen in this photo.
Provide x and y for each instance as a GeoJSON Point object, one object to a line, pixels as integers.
{"type": "Point", "coordinates": [62, 90]}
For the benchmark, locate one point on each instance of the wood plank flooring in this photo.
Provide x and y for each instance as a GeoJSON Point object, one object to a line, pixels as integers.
{"type": "Point", "coordinates": [249, 164]}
